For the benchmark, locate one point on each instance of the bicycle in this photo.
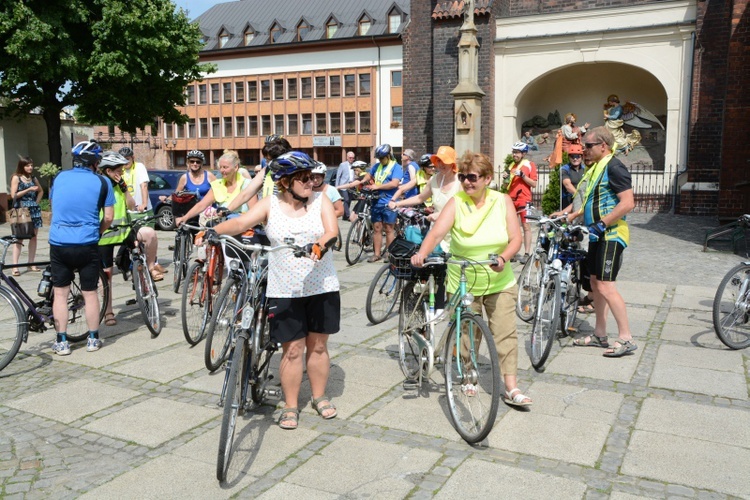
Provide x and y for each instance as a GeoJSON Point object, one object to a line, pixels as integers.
{"type": "Point", "coordinates": [359, 237]}
{"type": "Point", "coordinates": [250, 346]}
{"type": "Point", "coordinates": [731, 307]}
{"type": "Point", "coordinates": [182, 202]}
{"type": "Point", "coordinates": [385, 287]}
{"type": "Point", "coordinates": [146, 293]}
{"type": "Point", "coordinates": [529, 280]}
{"type": "Point", "coordinates": [560, 284]}
{"type": "Point", "coordinates": [20, 313]}
{"type": "Point", "coordinates": [469, 357]}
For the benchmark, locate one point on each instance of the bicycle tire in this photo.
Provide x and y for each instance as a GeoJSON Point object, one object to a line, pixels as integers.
{"type": "Point", "coordinates": [355, 242]}
{"type": "Point", "coordinates": [473, 416]}
{"type": "Point", "coordinates": [382, 295]}
{"type": "Point", "coordinates": [179, 260]}
{"type": "Point", "coordinates": [78, 329]}
{"type": "Point", "coordinates": [11, 336]}
{"type": "Point", "coordinates": [410, 314]}
{"type": "Point", "coordinates": [569, 307]}
{"type": "Point", "coordinates": [232, 405]}
{"type": "Point", "coordinates": [220, 328]}
{"type": "Point", "coordinates": [261, 355]}
{"type": "Point", "coordinates": [546, 322]}
{"type": "Point", "coordinates": [147, 297]}
{"type": "Point", "coordinates": [193, 319]}
{"type": "Point", "coordinates": [731, 312]}
{"type": "Point", "coordinates": [528, 288]}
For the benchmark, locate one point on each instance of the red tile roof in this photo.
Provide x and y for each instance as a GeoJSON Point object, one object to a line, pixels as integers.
{"type": "Point", "coordinates": [445, 9]}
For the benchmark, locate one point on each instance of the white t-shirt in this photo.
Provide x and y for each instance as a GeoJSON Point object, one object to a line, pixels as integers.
{"type": "Point", "coordinates": [134, 177]}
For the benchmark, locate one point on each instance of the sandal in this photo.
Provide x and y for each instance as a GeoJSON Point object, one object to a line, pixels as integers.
{"type": "Point", "coordinates": [35, 269]}
{"type": "Point", "coordinates": [159, 268]}
{"type": "Point", "coordinates": [156, 275]}
{"type": "Point", "coordinates": [621, 348]}
{"type": "Point", "coordinates": [591, 341]}
{"type": "Point", "coordinates": [320, 408]}
{"type": "Point", "coordinates": [109, 319]}
{"type": "Point", "coordinates": [586, 309]}
{"type": "Point", "coordinates": [374, 258]}
{"type": "Point", "coordinates": [517, 400]}
{"type": "Point", "coordinates": [16, 272]}
{"type": "Point", "coordinates": [289, 415]}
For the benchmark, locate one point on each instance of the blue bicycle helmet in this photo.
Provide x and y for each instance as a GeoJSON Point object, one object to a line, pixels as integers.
{"type": "Point", "coordinates": [87, 153]}
{"type": "Point", "coordinates": [289, 163]}
{"type": "Point", "coordinates": [383, 151]}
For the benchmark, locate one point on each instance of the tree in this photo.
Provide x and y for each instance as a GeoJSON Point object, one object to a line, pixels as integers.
{"type": "Point", "coordinates": [551, 197]}
{"type": "Point", "coordinates": [122, 62]}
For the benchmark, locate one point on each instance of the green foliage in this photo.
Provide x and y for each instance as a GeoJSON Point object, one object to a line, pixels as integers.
{"type": "Point", "coordinates": [121, 62]}
{"type": "Point", "coordinates": [551, 197]}
{"type": "Point", "coordinates": [44, 205]}
{"type": "Point", "coordinates": [48, 171]}
{"type": "Point", "coordinates": [507, 162]}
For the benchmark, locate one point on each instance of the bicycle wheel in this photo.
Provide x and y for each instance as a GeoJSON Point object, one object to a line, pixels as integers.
{"type": "Point", "coordinates": [220, 328]}
{"type": "Point", "coordinates": [261, 355]}
{"type": "Point", "coordinates": [180, 259]}
{"type": "Point", "coordinates": [528, 288]}
{"type": "Point", "coordinates": [382, 295]}
{"type": "Point", "coordinates": [545, 322]}
{"type": "Point", "coordinates": [78, 328]}
{"type": "Point", "coordinates": [731, 309]}
{"type": "Point", "coordinates": [233, 404]}
{"type": "Point", "coordinates": [472, 378]}
{"type": "Point", "coordinates": [569, 308]}
{"type": "Point", "coordinates": [193, 304]}
{"type": "Point", "coordinates": [15, 329]}
{"type": "Point", "coordinates": [147, 297]}
{"type": "Point", "coordinates": [411, 318]}
{"type": "Point", "coordinates": [355, 242]}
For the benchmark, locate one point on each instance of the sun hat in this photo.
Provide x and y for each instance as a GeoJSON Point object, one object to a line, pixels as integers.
{"type": "Point", "coordinates": [446, 154]}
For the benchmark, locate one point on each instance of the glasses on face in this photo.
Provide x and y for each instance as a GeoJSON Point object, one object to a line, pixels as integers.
{"type": "Point", "coordinates": [590, 145]}
{"type": "Point", "coordinates": [195, 162]}
{"type": "Point", "coordinates": [468, 177]}
{"type": "Point", "coordinates": [316, 178]}
{"type": "Point", "coordinates": [304, 178]}
{"type": "Point", "coordinates": [574, 157]}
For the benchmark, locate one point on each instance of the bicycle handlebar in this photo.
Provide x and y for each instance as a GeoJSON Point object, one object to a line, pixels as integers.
{"type": "Point", "coordinates": [436, 260]}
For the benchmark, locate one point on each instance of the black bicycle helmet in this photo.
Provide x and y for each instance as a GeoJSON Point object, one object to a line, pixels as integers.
{"type": "Point", "coordinates": [87, 152]}
{"type": "Point", "coordinates": [425, 160]}
{"type": "Point", "coordinates": [289, 163]}
{"type": "Point", "coordinates": [273, 138]}
{"type": "Point", "coordinates": [196, 154]}
{"type": "Point", "coordinates": [126, 151]}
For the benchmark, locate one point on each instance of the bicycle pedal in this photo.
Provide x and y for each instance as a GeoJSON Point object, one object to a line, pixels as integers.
{"type": "Point", "coordinates": [411, 384]}
{"type": "Point", "coordinates": [273, 393]}
{"type": "Point", "coordinates": [130, 302]}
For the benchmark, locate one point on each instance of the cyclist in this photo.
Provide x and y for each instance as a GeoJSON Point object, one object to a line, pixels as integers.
{"type": "Point", "coordinates": [387, 175]}
{"type": "Point", "coordinates": [304, 302]}
{"type": "Point", "coordinates": [319, 186]}
{"type": "Point", "coordinates": [358, 171]}
{"type": "Point", "coordinates": [197, 179]}
{"type": "Point", "coordinates": [483, 221]}
{"type": "Point", "coordinates": [78, 196]}
{"type": "Point", "coordinates": [111, 166]}
{"type": "Point", "coordinates": [521, 176]}
{"type": "Point", "coordinates": [408, 187]}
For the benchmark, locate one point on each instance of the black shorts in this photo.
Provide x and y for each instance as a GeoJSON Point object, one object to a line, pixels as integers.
{"type": "Point", "coordinates": [107, 255]}
{"type": "Point", "coordinates": [66, 260]}
{"type": "Point", "coordinates": [292, 318]}
{"type": "Point", "coordinates": [605, 259]}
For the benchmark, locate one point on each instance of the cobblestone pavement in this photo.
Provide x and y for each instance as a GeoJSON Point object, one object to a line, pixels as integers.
{"type": "Point", "coordinates": [138, 419]}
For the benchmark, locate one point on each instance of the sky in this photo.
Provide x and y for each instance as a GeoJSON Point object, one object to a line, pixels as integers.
{"type": "Point", "coordinates": [196, 7]}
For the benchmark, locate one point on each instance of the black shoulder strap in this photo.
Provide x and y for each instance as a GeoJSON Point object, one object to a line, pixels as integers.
{"type": "Point", "coordinates": [102, 191]}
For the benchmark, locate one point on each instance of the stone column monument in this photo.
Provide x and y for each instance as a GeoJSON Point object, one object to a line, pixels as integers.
{"type": "Point", "coordinates": [468, 95]}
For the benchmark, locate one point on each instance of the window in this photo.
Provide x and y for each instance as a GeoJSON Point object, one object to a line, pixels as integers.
{"type": "Point", "coordinates": [395, 78]}
{"type": "Point", "coordinates": [252, 91]}
{"type": "Point", "coordinates": [239, 91]}
{"type": "Point", "coordinates": [350, 123]}
{"type": "Point", "coordinates": [274, 34]}
{"type": "Point", "coordinates": [292, 125]}
{"type": "Point", "coordinates": [364, 122]}
{"type": "Point", "coordinates": [223, 39]}
{"type": "Point", "coordinates": [265, 125]}
{"type": "Point", "coordinates": [302, 30]}
{"type": "Point", "coordinates": [306, 124]}
{"type": "Point", "coordinates": [203, 127]}
{"type": "Point", "coordinates": [306, 84]}
{"type": "Point", "coordinates": [215, 127]}
{"type": "Point", "coordinates": [331, 27]}
{"type": "Point", "coordinates": [291, 88]}
{"type": "Point", "coordinates": [334, 85]}
{"type": "Point", "coordinates": [397, 116]}
{"type": "Point", "coordinates": [335, 119]}
{"type": "Point", "coordinates": [364, 25]}
{"type": "Point", "coordinates": [249, 35]}
{"type": "Point", "coordinates": [227, 88]}
{"type": "Point", "coordinates": [278, 124]}
{"type": "Point", "coordinates": [394, 21]}
{"type": "Point", "coordinates": [168, 130]}
{"type": "Point", "coordinates": [364, 84]}
{"type": "Point", "coordinates": [252, 126]}
{"type": "Point", "coordinates": [202, 94]}
{"type": "Point", "coordinates": [214, 93]}
{"type": "Point", "coordinates": [240, 126]}
{"type": "Point", "coordinates": [350, 86]}
{"type": "Point", "coordinates": [227, 126]}
{"type": "Point", "coordinates": [265, 90]}
{"type": "Point", "coordinates": [278, 89]}
{"type": "Point", "coordinates": [191, 94]}
{"type": "Point", "coordinates": [190, 126]}
{"type": "Point", "coordinates": [320, 124]}
{"type": "Point", "coordinates": [320, 86]}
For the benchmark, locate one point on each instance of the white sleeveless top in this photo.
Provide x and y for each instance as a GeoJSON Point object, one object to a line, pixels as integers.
{"type": "Point", "coordinates": [439, 200]}
{"type": "Point", "coordinates": [290, 276]}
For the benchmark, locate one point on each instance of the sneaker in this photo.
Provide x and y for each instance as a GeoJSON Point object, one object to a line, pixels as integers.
{"type": "Point", "coordinates": [61, 348]}
{"type": "Point", "coordinates": [523, 259]}
{"type": "Point", "coordinates": [93, 344]}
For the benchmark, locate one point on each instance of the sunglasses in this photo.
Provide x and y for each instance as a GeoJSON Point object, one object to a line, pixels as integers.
{"type": "Point", "coordinates": [198, 162]}
{"type": "Point", "coordinates": [304, 178]}
{"type": "Point", "coordinates": [468, 177]}
{"type": "Point", "coordinates": [574, 157]}
{"type": "Point", "coordinates": [590, 145]}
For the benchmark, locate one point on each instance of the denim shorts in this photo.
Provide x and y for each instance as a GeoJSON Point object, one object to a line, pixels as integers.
{"type": "Point", "coordinates": [381, 213]}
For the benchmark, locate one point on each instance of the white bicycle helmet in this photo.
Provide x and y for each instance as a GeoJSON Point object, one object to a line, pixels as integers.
{"type": "Point", "coordinates": [110, 159]}
{"type": "Point", "coordinates": [319, 168]}
{"type": "Point", "coordinates": [521, 146]}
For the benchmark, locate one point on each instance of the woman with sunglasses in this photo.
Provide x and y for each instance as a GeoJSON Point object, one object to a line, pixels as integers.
{"type": "Point", "coordinates": [303, 293]}
{"type": "Point", "coordinates": [482, 221]}
{"type": "Point", "coordinates": [196, 179]}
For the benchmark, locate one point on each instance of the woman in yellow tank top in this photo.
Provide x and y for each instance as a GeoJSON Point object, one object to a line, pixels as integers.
{"type": "Point", "coordinates": [482, 221]}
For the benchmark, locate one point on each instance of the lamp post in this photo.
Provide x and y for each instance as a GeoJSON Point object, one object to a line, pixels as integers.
{"type": "Point", "coordinates": [170, 145]}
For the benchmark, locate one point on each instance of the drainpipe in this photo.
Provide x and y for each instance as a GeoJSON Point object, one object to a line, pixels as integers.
{"type": "Point", "coordinates": [378, 98]}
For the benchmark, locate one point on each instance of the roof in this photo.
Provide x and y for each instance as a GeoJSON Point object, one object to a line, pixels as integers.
{"type": "Point", "coordinates": [258, 16]}
{"type": "Point", "coordinates": [445, 9]}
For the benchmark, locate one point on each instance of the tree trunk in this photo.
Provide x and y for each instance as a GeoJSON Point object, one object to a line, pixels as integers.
{"type": "Point", "coordinates": [52, 119]}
